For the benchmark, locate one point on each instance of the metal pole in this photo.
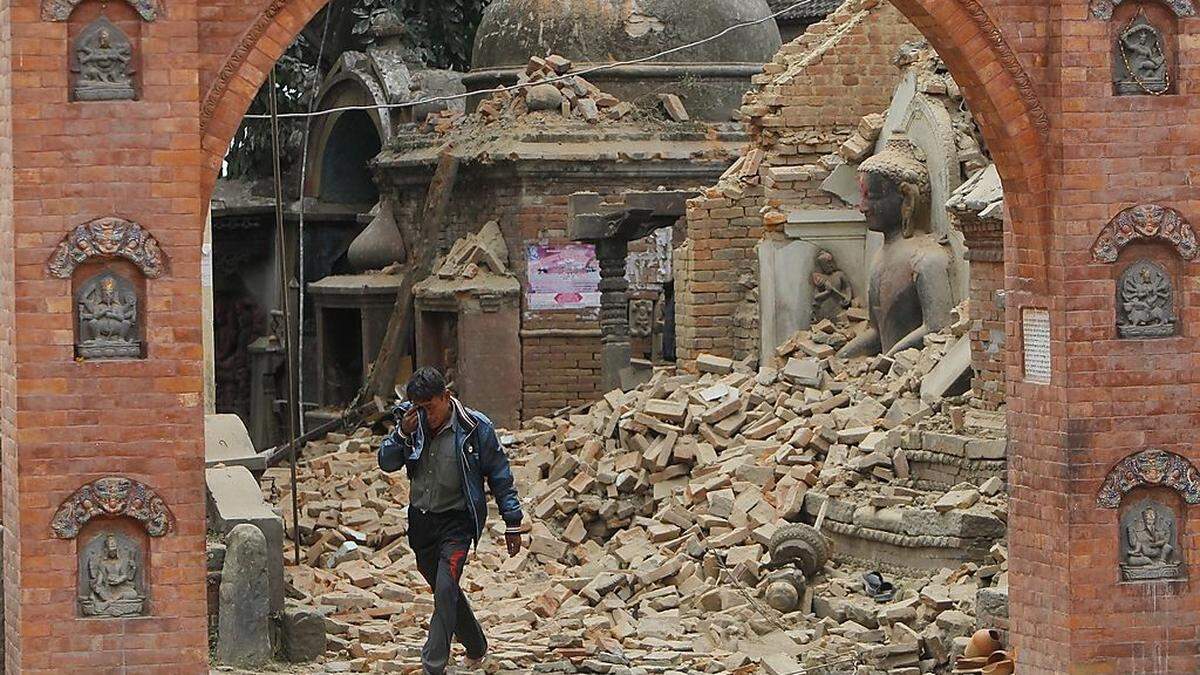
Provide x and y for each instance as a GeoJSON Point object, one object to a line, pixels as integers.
{"type": "Point", "coordinates": [281, 254]}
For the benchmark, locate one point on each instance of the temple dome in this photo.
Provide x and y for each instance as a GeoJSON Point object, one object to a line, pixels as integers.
{"type": "Point", "coordinates": [593, 32]}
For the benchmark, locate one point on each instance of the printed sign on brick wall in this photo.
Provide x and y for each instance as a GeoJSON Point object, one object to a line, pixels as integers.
{"type": "Point", "coordinates": [563, 276]}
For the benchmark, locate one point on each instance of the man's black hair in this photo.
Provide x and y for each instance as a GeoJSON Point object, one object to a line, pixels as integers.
{"type": "Point", "coordinates": [425, 384]}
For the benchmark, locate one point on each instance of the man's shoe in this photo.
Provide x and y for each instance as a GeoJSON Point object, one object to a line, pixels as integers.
{"type": "Point", "coordinates": [469, 663]}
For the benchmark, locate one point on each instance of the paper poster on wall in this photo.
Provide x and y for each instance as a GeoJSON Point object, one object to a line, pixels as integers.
{"type": "Point", "coordinates": [563, 276]}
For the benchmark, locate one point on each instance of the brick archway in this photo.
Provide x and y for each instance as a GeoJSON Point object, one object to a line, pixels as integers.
{"type": "Point", "coordinates": [154, 160]}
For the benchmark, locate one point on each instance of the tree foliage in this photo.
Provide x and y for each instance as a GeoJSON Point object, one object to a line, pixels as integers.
{"type": "Point", "coordinates": [442, 33]}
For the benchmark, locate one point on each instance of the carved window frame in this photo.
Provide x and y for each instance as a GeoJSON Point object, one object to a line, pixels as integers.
{"type": "Point", "coordinates": [61, 10]}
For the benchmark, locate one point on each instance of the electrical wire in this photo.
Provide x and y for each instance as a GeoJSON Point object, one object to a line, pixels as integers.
{"type": "Point", "coordinates": [559, 78]}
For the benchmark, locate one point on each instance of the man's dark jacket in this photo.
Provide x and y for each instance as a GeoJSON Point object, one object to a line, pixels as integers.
{"type": "Point", "coordinates": [479, 455]}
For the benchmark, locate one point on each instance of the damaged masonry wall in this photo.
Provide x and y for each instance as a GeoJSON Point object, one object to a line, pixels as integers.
{"type": "Point", "coordinates": [810, 101]}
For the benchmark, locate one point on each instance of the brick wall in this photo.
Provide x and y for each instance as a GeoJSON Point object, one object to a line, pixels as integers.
{"type": "Point", "coordinates": [806, 103]}
{"type": "Point", "coordinates": [9, 545]}
{"type": "Point", "coordinates": [985, 244]}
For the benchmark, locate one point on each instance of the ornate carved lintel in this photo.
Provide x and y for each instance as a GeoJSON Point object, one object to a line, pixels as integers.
{"type": "Point", "coordinates": [1103, 9]}
{"type": "Point", "coordinates": [60, 10]}
{"type": "Point", "coordinates": [1145, 221]}
{"type": "Point", "coordinates": [113, 496]}
{"type": "Point", "coordinates": [1150, 467]}
{"type": "Point", "coordinates": [108, 238]}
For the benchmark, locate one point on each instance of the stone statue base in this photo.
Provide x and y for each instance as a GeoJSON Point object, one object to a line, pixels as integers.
{"type": "Point", "coordinates": [95, 92]}
{"type": "Point", "coordinates": [110, 350]}
{"type": "Point", "coordinates": [1135, 332]}
{"type": "Point", "coordinates": [1156, 572]}
{"type": "Point", "coordinates": [1132, 88]}
{"type": "Point", "coordinates": [116, 608]}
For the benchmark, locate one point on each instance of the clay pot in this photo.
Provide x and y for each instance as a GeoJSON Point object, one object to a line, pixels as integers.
{"type": "Point", "coordinates": [983, 643]}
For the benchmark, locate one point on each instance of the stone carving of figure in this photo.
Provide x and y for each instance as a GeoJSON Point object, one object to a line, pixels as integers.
{"type": "Point", "coordinates": [113, 581]}
{"type": "Point", "coordinates": [1150, 541]}
{"type": "Point", "coordinates": [102, 59]}
{"type": "Point", "coordinates": [832, 292]}
{"type": "Point", "coordinates": [641, 318]}
{"type": "Point", "coordinates": [1145, 302]}
{"type": "Point", "coordinates": [910, 293]}
{"type": "Point", "coordinates": [1143, 58]}
{"type": "Point", "coordinates": [107, 320]}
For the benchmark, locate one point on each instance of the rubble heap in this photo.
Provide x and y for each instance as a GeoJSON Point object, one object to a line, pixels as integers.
{"type": "Point", "coordinates": [547, 86]}
{"type": "Point", "coordinates": [653, 515]}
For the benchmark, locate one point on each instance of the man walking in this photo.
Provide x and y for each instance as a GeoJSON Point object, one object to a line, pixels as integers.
{"type": "Point", "coordinates": [449, 451]}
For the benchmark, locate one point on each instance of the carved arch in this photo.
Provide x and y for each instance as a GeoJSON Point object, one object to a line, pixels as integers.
{"type": "Point", "coordinates": [1146, 221]}
{"type": "Point", "coordinates": [113, 496]}
{"type": "Point", "coordinates": [60, 10]}
{"type": "Point", "coordinates": [1150, 467]}
{"type": "Point", "coordinates": [108, 238]}
{"type": "Point", "coordinates": [1103, 9]}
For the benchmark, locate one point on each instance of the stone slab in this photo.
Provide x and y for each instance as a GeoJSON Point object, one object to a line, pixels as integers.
{"type": "Point", "coordinates": [234, 498]}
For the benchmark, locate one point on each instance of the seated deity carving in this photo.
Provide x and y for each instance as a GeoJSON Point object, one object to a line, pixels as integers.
{"type": "Point", "coordinates": [103, 57]}
{"type": "Point", "coordinates": [1151, 543]}
{"type": "Point", "coordinates": [113, 586]}
{"type": "Point", "coordinates": [832, 292]}
{"type": "Point", "coordinates": [108, 316]}
{"type": "Point", "coordinates": [910, 294]}
{"type": "Point", "coordinates": [1145, 302]}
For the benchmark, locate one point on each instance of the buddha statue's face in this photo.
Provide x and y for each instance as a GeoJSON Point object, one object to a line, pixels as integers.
{"type": "Point", "coordinates": [882, 203]}
{"type": "Point", "coordinates": [1149, 517]}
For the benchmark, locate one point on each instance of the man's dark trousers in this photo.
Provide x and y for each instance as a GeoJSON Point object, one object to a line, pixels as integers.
{"type": "Point", "coordinates": [441, 542]}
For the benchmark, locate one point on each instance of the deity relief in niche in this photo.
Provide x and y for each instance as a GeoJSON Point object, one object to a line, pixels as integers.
{"type": "Point", "coordinates": [641, 317]}
{"type": "Point", "coordinates": [108, 318]}
{"type": "Point", "coordinates": [832, 292]}
{"type": "Point", "coordinates": [1141, 60]}
{"type": "Point", "coordinates": [111, 577]}
{"type": "Point", "coordinates": [1149, 543]}
{"type": "Point", "coordinates": [1145, 302]}
{"type": "Point", "coordinates": [102, 60]}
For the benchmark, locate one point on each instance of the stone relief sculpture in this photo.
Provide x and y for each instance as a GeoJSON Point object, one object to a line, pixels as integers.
{"type": "Point", "coordinates": [60, 10]}
{"type": "Point", "coordinates": [1147, 222]}
{"type": "Point", "coordinates": [108, 238]}
{"type": "Point", "coordinates": [1150, 543]}
{"type": "Point", "coordinates": [108, 319]}
{"type": "Point", "coordinates": [832, 292]}
{"type": "Point", "coordinates": [641, 317]}
{"type": "Point", "coordinates": [1150, 467]}
{"type": "Point", "coordinates": [1141, 66]}
{"type": "Point", "coordinates": [112, 496]}
{"type": "Point", "coordinates": [103, 63]}
{"type": "Point", "coordinates": [1145, 302]}
{"type": "Point", "coordinates": [1103, 9]}
{"type": "Point", "coordinates": [910, 294]}
{"type": "Point", "coordinates": [112, 578]}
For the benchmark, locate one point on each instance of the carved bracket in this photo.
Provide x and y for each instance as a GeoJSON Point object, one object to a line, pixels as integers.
{"type": "Point", "coordinates": [60, 10]}
{"type": "Point", "coordinates": [1103, 9]}
{"type": "Point", "coordinates": [1150, 467]}
{"type": "Point", "coordinates": [108, 238]}
{"type": "Point", "coordinates": [113, 496]}
{"type": "Point", "coordinates": [1146, 221]}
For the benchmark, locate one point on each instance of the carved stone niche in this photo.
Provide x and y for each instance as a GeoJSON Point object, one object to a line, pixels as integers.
{"type": "Point", "coordinates": [102, 63]}
{"type": "Point", "coordinates": [1144, 44]}
{"type": "Point", "coordinates": [1150, 541]}
{"type": "Point", "coordinates": [1145, 301]}
{"type": "Point", "coordinates": [112, 572]}
{"type": "Point", "coordinates": [108, 317]}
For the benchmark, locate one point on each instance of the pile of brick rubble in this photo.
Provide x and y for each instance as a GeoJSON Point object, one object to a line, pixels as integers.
{"type": "Point", "coordinates": [652, 514]}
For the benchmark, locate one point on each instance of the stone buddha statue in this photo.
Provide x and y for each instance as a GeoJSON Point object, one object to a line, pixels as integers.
{"type": "Point", "coordinates": [910, 293]}
{"type": "Point", "coordinates": [102, 60]}
{"type": "Point", "coordinates": [113, 582]}
{"type": "Point", "coordinates": [1151, 546]}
